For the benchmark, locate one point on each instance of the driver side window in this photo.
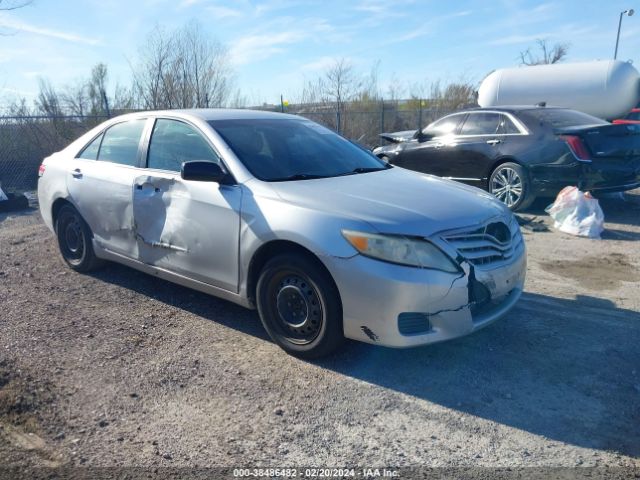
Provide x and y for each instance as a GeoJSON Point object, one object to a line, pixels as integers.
{"type": "Point", "coordinates": [174, 142]}
{"type": "Point", "coordinates": [444, 126]}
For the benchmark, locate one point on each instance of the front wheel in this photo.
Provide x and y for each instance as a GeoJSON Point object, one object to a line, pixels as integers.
{"type": "Point", "coordinates": [510, 184]}
{"type": "Point", "coordinates": [299, 306]}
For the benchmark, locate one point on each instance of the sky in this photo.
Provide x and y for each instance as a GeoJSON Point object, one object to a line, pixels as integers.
{"type": "Point", "coordinates": [276, 45]}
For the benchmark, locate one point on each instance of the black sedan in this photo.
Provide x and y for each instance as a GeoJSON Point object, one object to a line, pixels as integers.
{"type": "Point", "coordinates": [520, 153]}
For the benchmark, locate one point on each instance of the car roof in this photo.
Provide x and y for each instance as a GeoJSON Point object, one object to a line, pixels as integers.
{"type": "Point", "coordinates": [208, 114]}
{"type": "Point", "coordinates": [515, 108]}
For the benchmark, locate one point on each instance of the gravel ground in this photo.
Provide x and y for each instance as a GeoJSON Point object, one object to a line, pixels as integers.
{"type": "Point", "coordinates": [121, 369]}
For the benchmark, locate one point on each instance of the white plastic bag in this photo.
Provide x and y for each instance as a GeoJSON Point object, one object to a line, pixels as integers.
{"type": "Point", "coordinates": [577, 213]}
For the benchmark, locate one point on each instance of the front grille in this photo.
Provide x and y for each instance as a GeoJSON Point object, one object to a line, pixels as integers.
{"type": "Point", "coordinates": [413, 323]}
{"type": "Point", "coordinates": [487, 245]}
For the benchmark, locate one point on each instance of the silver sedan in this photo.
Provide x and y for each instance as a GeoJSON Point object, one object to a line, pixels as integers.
{"type": "Point", "coordinates": [278, 213]}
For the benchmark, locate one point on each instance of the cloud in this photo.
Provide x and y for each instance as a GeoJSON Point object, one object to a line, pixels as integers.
{"type": "Point", "coordinates": [261, 46]}
{"type": "Point", "coordinates": [376, 12]}
{"type": "Point", "coordinates": [570, 31]}
{"type": "Point", "coordinates": [18, 91]}
{"type": "Point", "coordinates": [223, 12]}
{"type": "Point", "coordinates": [273, 5]}
{"type": "Point", "coordinates": [188, 3]}
{"type": "Point", "coordinates": [14, 24]}
{"type": "Point", "coordinates": [429, 27]}
{"type": "Point", "coordinates": [320, 64]}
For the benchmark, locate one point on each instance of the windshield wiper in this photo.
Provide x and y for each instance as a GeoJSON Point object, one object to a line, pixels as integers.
{"type": "Point", "coordinates": [298, 176]}
{"type": "Point", "coordinates": [365, 170]}
{"type": "Point", "coordinates": [370, 169]}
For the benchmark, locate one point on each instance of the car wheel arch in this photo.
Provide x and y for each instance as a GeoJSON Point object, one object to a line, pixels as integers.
{"type": "Point", "coordinates": [56, 206]}
{"type": "Point", "coordinates": [271, 249]}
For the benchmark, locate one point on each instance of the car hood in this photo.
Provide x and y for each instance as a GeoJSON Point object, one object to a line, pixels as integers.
{"type": "Point", "coordinates": [395, 201]}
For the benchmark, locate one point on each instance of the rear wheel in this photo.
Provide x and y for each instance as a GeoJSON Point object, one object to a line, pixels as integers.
{"type": "Point", "coordinates": [75, 240]}
{"type": "Point", "coordinates": [299, 306]}
{"type": "Point", "coordinates": [510, 184]}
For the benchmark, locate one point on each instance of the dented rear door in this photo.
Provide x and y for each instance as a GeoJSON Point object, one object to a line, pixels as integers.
{"type": "Point", "coordinates": [100, 181]}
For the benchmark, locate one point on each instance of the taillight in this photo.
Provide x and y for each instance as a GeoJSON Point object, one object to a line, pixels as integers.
{"type": "Point", "coordinates": [41, 170]}
{"type": "Point", "coordinates": [577, 147]}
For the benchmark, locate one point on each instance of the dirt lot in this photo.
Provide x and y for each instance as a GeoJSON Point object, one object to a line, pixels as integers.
{"type": "Point", "coordinates": [121, 369]}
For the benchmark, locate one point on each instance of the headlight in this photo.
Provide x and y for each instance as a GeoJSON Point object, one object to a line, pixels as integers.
{"type": "Point", "coordinates": [401, 250]}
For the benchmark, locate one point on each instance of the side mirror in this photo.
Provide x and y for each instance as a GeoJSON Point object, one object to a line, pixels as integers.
{"type": "Point", "coordinates": [202, 171]}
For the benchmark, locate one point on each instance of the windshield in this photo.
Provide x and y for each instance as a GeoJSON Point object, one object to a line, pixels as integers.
{"type": "Point", "coordinates": [292, 149]}
{"type": "Point", "coordinates": [561, 118]}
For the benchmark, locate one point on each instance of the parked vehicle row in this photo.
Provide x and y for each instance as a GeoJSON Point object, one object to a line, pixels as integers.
{"type": "Point", "coordinates": [520, 153]}
{"type": "Point", "coordinates": [278, 213]}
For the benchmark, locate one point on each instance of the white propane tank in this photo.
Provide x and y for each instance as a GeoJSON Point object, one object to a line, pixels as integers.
{"type": "Point", "coordinates": [607, 89]}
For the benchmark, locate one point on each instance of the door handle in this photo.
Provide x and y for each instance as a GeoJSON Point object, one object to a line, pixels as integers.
{"type": "Point", "coordinates": [494, 141]}
{"type": "Point", "coordinates": [77, 173]}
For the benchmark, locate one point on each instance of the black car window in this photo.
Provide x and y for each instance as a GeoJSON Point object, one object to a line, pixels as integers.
{"type": "Point", "coordinates": [174, 142]}
{"type": "Point", "coordinates": [562, 117]}
{"type": "Point", "coordinates": [481, 123]}
{"type": "Point", "coordinates": [120, 143]}
{"type": "Point", "coordinates": [507, 126]}
{"type": "Point", "coordinates": [444, 126]}
{"type": "Point", "coordinates": [90, 152]}
{"type": "Point", "coordinates": [293, 149]}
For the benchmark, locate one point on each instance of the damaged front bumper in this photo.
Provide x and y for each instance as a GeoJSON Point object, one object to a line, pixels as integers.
{"type": "Point", "coordinates": [399, 306]}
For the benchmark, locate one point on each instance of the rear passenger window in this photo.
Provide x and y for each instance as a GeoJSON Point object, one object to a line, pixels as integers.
{"type": "Point", "coordinates": [507, 126]}
{"type": "Point", "coordinates": [90, 152]}
{"type": "Point", "coordinates": [120, 143]}
{"type": "Point", "coordinates": [174, 142]}
{"type": "Point", "coordinates": [481, 124]}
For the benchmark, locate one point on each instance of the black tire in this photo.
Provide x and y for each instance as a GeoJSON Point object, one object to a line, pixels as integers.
{"type": "Point", "coordinates": [299, 306]}
{"type": "Point", "coordinates": [75, 240]}
{"type": "Point", "coordinates": [510, 183]}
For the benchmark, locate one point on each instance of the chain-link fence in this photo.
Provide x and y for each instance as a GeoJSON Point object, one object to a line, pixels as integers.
{"type": "Point", "coordinates": [26, 140]}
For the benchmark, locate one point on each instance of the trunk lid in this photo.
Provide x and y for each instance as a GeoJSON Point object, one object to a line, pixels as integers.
{"type": "Point", "coordinates": [614, 153]}
{"type": "Point", "coordinates": [620, 141]}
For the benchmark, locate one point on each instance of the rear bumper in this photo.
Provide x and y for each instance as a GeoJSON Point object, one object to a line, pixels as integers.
{"type": "Point", "coordinates": [596, 176]}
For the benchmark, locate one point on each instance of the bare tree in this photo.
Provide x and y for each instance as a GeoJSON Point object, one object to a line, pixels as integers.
{"type": "Point", "coordinates": [122, 98]}
{"type": "Point", "coordinates": [340, 84]}
{"type": "Point", "coordinates": [75, 98]}
{"type": "Point", "coordinates": [97, 89]}
{"type": "Point", "coordinates": [7, 5]}
{"type": "Point", "coordinates": [48, 100]}
{"type": "Point", "coordinates": [547, 55]}
{"type": "Point", "coordinates": [182, 69]}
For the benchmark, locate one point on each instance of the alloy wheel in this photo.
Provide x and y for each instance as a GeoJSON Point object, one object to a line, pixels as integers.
{"type": "Point", "coordinates": [506, 185]}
